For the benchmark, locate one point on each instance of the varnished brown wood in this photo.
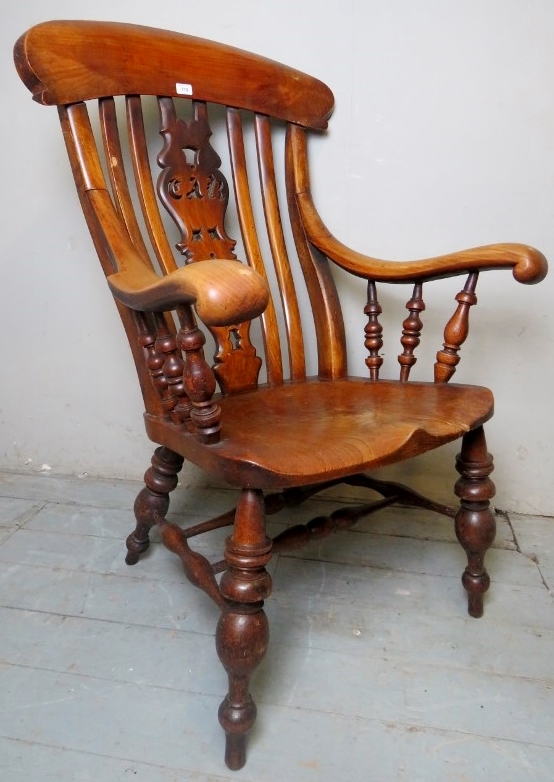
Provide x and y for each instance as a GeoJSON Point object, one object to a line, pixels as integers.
{"type": "Point", "coordinates": [95, 59]}
{"type": "Point", "coordinates": [199, 380]}
{"type": "Point", "coordinates": [245, 213]}
{"type": "Point", "coordinates": [326, 307]}
{"type": "Point", "coordinates": [475, 522]}
{"type": "Point", "coordinates": [194, 193]}
{"type": "Point", "coordinates": [153, 501]}
{"type": "Point", "coordinates": [301, 535]}
{"type": "Point", "coordinates": [138, 148]}
{"type": "Point", "coordinates": [115, 160]}
{"type": "Point", "coordinates": [197, 568]}
{"type": "Point", "coordinates": [411, 332]}
{"type": "Point", "coordinates": [242, 633]}
{"type": "Point", "coordinates": [166, 246]}
{"type": "Point", "coordinates": [456, 331]}
{"type": "Point", "coordinates": [528, 265]}
{"type": "Point", "coordinates": [223, 292]}
{"type": "Point", "coordinates": [373, 332]}
{"type": "Point", "coordinates": [291, 311]}
{"type": "Point", "coordinates": [338, 428]}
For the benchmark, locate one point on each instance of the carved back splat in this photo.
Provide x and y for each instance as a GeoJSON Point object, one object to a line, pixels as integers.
{"type": "Point", "coordinates": [195, 193]}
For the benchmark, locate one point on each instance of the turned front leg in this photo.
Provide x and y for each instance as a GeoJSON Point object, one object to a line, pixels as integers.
{"type": "Point", "coordinates": [152, 502]}
{"type": "Point", "coordinates": [475, 522]}
{"type": "Point", "coordinates": [242, 633]}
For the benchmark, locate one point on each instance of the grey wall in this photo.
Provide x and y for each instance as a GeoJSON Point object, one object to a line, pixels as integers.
{"type": "Point", "coordinates": [442, 139]}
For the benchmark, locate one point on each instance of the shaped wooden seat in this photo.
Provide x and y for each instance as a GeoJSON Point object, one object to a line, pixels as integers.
{"type": "Point", "coordinates": [339, 428]}
{"type": "Point", "coordinates": [168, 226]}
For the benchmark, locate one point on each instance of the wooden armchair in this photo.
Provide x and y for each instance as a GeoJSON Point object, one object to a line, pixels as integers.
{"type": "Point", "coordinates": [160, 230]}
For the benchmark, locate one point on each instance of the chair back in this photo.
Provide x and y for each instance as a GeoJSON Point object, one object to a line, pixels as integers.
{"type": "Point", "coordinates": [118, 88]}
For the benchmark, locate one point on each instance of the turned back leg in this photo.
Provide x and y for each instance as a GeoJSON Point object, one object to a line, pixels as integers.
{"type": "Point", "coordinates": [475, 522]}
{"type": "Point", "coordinates": [152, 502]}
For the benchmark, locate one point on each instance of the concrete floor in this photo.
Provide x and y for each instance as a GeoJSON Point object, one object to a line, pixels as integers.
{"type": "Point", "coordinates": [375, 671]}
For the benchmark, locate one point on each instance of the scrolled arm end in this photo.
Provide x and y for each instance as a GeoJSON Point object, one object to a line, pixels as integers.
{"type": "Point", "coordinates": [226, 292]}
{"type": "Point", "coordinates": [223, 292]}
{"type": "Point", "coordinates": [531, 267]}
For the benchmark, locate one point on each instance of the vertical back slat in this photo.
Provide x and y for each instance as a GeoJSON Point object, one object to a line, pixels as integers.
{"type": "Point", "coordinates": [145, 186]}
{"type": "Point", "coordinates": [116, 169]}
{"type": "Point", "coordinates": [281, 262]}
{"type": "Point", "coordinates": [87, 170]}
{"type": "Point", "coordinates": [84, 157]}
{"type": "Point", "coordinates": [270, 331]}
{"type": "Point", "coordinates": [326, 308]}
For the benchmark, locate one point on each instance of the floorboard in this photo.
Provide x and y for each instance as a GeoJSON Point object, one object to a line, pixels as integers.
{"type": "Point", "coordinates": [374, 672]}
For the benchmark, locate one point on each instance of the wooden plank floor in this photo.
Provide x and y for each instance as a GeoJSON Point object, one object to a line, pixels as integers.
{"type": "Point", "coordinates": [375, 671]}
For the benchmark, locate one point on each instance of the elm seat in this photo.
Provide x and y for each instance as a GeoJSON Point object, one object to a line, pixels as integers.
{"type": "Point", "coordinates": [169, 227]}
{"type": "Point", "coordinates": [339, 428]}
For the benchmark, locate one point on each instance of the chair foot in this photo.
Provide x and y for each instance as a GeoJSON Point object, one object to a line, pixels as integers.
{"type": "Point", "coordinates": [135, 547]}
{"type": "Point", "coordinates": [152, 502]}
{"type": "Point", "coordinates": [237, 717]}
{"type": "Point", "coordinates": [242, 634]}
{"type": "Point", "coordinates": [235, 748]}
{"type": "Point", "coordinates": [475, 523]}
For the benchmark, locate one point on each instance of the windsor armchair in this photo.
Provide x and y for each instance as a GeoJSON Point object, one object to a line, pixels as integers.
{"type": "Point", "coordinates": [160, 231]}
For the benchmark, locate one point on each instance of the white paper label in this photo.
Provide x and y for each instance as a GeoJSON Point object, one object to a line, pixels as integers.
{"type": "Point", "coordinates": [183, 89]}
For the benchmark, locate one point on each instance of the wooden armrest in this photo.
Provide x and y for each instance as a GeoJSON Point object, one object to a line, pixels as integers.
{"type": "Point", "coordinates": [528, 265]}
{"type": "Point", "coordinates": [224, 292]}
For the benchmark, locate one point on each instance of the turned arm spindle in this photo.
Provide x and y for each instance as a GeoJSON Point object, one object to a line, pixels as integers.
{"type": "Point", "coordinates": [198, 379]}
{"type": "Point", "coordinates": [373, 331]}
{"type": "Point", "coordinates": [456, 331]}
{"type": "Point", "coordinates": [411, 332]}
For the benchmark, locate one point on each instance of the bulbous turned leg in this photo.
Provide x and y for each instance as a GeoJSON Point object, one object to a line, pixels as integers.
{"type": "Point", "coordinates": [475, 522]}
{"type": "Point", "coordinates": [242, 633]}
{"type": "Point", "coordinates": [153, 501]}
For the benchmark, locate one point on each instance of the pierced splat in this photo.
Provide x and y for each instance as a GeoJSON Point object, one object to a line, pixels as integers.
{"type": "Point", "coordinates": [236, 364]}
{"type": "Point", "coordinates": [191, 186]}
{"type": "Point", "coordinates": [195, 193]}
{"type": "Point", "coordinates": [235, 339]}
{"type": "Point", "coordinates": [411, 332]}
{"type": "Point", "coordinates": [456, 331]}
{"type": "Point", "coordinates": [373, 332]}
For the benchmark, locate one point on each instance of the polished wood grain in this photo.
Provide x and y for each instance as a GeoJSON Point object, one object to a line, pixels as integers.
{"type": "Point", "coordinates": [97, 59]}
{"type": "Point", "coordinates": [411, 331]}
{"type": "Point", "coordinates": [528, 264]}
{"type": "Point", "coordinates": [251, 241]}
{"type": "Point", "coordinates": [339, 428]}
{"type": "Point", "coordinates": [186, 251]}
